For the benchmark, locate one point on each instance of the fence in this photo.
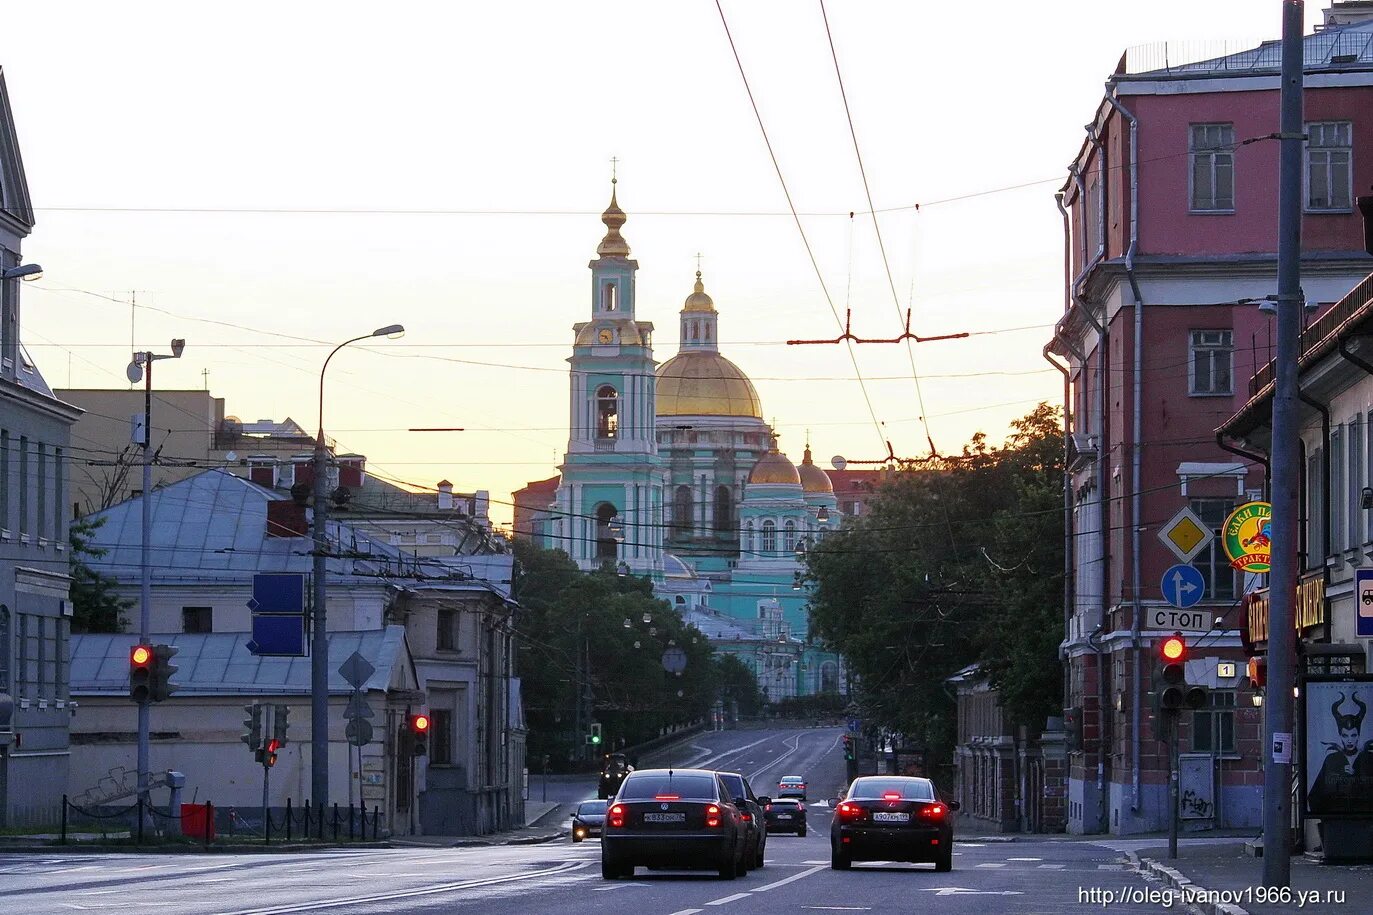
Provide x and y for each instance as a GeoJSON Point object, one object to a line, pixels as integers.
{"type": "Point", "coordinates": [206, 824]}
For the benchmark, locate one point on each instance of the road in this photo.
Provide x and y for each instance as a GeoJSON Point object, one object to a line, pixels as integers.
{"type": "Point", "coordinates": [1024, 876]}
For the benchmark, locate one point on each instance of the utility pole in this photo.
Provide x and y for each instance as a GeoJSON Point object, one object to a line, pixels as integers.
{"type": "Point", "coordinates": [319, 644]}
{"type": "Point", "coordinates": [1277, 768]}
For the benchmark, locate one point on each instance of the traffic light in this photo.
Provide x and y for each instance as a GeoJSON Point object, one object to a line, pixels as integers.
{"type": "Point", "coordinates": [280, 718]}
{"type": "Point", "coordinates": [848, 747]}
{"type": "Point", "coordinates": [419, 734]}
{"type": "Point", "coordinates": [252, 726]}
{"type": "Point", "coordinates": [595, 737]}
{"type": "Point", "coordinates": [267, 754]}
{"type": "Point", "coordinates": [141, 673]}
{"type": "Point", "coordinates": [1172, 692]}
{"type": "Point", "coordinates": [1072, 727]}
{"type": "Point", "coordinates": [162, 686]}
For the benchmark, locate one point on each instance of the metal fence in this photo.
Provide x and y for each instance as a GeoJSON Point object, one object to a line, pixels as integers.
{"type": "Point", "coordinates": [142, 823]}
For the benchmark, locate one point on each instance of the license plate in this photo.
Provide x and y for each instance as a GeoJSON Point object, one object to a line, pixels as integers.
{"type": "Point", "coordinates": [883, 816]}
{"type": "Point", "coordinates": [784, 816]}
{"type": "Point", "coordinates": [665, 818]}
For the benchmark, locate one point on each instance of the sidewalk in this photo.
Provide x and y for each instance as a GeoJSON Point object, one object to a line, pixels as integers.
{"type": "Point", "coordinates": [548, 822]}
{"type": "Point", "coordinates": [1225, 879]}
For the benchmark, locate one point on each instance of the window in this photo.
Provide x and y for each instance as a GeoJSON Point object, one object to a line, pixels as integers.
{"type": "Point", "coordinates": [1213, 728]}
{"type": "Point", "coordinates": [441, 737]}
{"type": "Point", "coordinates": [1315, 510]}
{"type": "Point", "coordinates": [1213, 168]}
{"type": "Point", "coordinates": [724, 511]}
{"type": "Point", "coordinates": [608, 297]}
{"type": "Point", "coordinates": [607, 412]}
{"type": "Point", "coordinates": [681, 510]}
{"type": "Point", "coordinates": [5, 685]}
{"type": "Point", "coordinates": [747, 545]}
{"type": "Point", "coordinates": [1337, 477]}
{"type": "Point", "coordinates": [447, 636]}
{"type": "Point", "coordinates": [1091, 212]}
{"type": "Point", "coordinates": [1354, 491]}
{"type": "Point", "coordinates": [607, 533]}
{"type": "Point", "coordinates": [1329, 172]}
{"type": "Point", "coordinates": [42, 452]}
{"type": "Point", "coordinates": [1215, 570]}
{"type": "Point", "coordinates": [1211, 363]}
{"type": "Point", "coordinates": [769, 538]}
{"type": "Point", "coordinates": [789, 537]}
{"type": "Point", "coordinates": [4, 479]}
{"type": "Point", "coordinates": [197, 619]}
{"type": "Point", "coordinates": [23, 485]}
{"type": "Point", "coordinates": [9, 314]}
{"type": "Point", "coordinates": [59, 527]}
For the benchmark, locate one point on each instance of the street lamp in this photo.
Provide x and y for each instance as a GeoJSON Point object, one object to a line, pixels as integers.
{"type": "Point", "coordinates": [26, 272]}
{"type": "Point", "coordinates": [140, 368]}
{"type": "Point", "coordinates": [319, 645]}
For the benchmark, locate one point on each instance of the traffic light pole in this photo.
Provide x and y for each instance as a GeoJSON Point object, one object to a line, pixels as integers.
{"type": "Point", "coordinates": [146, 583]}
{"type": "Point", "coordinates": [1173, 785]}
{"type": "Point", "coordinates": [1277, 750]}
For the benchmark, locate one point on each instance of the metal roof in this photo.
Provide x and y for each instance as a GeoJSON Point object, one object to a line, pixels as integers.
{"type": "Point", "coordinates": [1348, 47]}
{"type": "Point", "coordinates": [218, 663]}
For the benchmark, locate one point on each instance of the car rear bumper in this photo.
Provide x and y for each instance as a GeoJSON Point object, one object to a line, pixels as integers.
{"type": "Point", "coordinates": [786, 825]}
{"type": "Point", "coordinates": [876, 842]}
{"type": "Point", "coordinates": [677, 850]}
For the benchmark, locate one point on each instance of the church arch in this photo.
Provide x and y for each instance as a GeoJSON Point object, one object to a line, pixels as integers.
{"type": "Point", "coordinates": [681, 510]}
{"type": "Point", "coordinates": [609, 297]}
{"type": "Point", "coordinates": [608, 536]}
{"type": "Point", "coordinates": [724, 509]}
{"type": "Point", "coordinates": [747, 546]}
{"type": "Point", "coordinates": [607, 412]}
{"type": "Point", "coordinates": [789, 536]}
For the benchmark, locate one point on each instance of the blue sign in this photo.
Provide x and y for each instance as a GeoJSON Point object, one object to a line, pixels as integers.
{"type": "Point", "coordinates": [278, 592]}
{"type": "Point", "coordinates": [1183, 586]}
{"type": "Point", "coordinates": [855, 725]}
{"type": "Point", "coordinates": [1363, 602]}
{"type": "Point", "coordinates": [278, 635]}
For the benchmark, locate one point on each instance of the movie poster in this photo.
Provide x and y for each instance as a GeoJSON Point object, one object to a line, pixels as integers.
{"type": "Point", "coordinates": [1339, 748]}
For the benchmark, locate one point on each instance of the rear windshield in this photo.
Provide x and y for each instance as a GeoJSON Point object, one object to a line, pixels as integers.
{"type": "Point", "coordinates": [792, 780]}
{"type": "Point", "coordinates": [735, 783]}
{"type": "Point", "coordinates": [646, 787]}
{"type": "Point", "coordinates": [911, 789]}
{"type": "Point", "coordinates": [593, 806]}
{"type": "Point", "coordinates": [785, 802]}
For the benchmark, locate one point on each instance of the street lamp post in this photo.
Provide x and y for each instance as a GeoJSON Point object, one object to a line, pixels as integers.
{"type": "Point", "coordinates": [142, 367]}
{"type": "Point", "coordinates": [319, 647]}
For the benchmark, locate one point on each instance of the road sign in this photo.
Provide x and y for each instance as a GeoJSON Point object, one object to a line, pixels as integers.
{"type": "Point", "coordinates": [356, 670]}
{"type": "Point", "coordinates": [1363, 602]}
{"type": "Point", "coordinates": [1183, 586]}
{"type": "Point", "coordinates": [358, 732]}
{"type": "Point", "coordinates": [358, 707]}
{"type": "Point", "coordinates": [278, 592]}
{"type": "Point", "coordinates": [674, 660]}
{"type": "Point", "coordinates": [278, 635]}
{"type": "Point", "coordinates": [1186, 535]}
{"type": "Point", "coordinates": [855, 725]}
{"type": "Point", "coordinates": [1247, 536]}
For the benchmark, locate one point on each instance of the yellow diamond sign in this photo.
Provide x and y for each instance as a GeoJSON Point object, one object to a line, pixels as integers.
{"type": "Point", "coordinates": [1186, 535]}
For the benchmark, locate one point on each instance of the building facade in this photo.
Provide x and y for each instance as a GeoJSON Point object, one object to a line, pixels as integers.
{"type": "Point", "coordinates": [1170, 233]}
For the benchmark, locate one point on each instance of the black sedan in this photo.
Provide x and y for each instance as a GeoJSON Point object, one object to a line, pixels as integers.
{"type": "Point", "coordinates": [674, 819]}
{"type": "Point", "coordinates": [888, 818]}
{"type": "Point", "coordinates": [588, 820]}
{"type": "Point", "coordinates": [752, 807]}
{"type": "Point", "coordinates": [785, 814]}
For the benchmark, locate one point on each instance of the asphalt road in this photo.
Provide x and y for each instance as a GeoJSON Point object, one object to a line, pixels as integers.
{"type": "Point", "coordinates": [1021, 877]}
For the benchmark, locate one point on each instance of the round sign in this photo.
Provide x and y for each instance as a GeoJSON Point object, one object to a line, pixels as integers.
{"type": "Point", "coordinates": [1248, 537]}
{"type": "Point", "coordinates": [674, 660]}
{"type": "Point", "coordinates": [358, 732]}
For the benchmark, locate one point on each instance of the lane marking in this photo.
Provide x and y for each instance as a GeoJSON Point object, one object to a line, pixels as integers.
{"type": "Point", "coordinates": [687, 912]}
{"type": "Point", "coordinates": [1052, 867]}
{"type": "Point", "coordinates": [735, 898]}
{"type": "Point", "coordinates": [826, 862]}
{"type": "Point", "coordinates": [993, 864]}
{"type": "Point", "coordinates": [1024, 859]}
{"type": "Point", "coordinates": [794, 877]}
{"type": "Point", "coordinates": [1110, 867]}
{"type": "Point", "coordinates": [407, 894]}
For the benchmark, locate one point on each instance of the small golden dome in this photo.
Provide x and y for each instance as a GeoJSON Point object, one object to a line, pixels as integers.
{"type": "Point", "coordinates": [698, 300]}
{"type": "Point", "coordinates": [705, 384]}
{"type": "Point", "coordinates": [613, 245]}
{"type": "Point", "coordinates": [813, 479]}
{"type": "Point", "coordinates": [775, 467]}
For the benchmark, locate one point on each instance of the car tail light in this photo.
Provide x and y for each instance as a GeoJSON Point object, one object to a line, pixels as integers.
{"type": "Point", "coordinates": [616, 816]}
{"type": "Point", "coordinates": [933, 812]}
{"type": "Point", "coordinates": [712, 816]}
{"type": "Point", "coordinates": [747, 817]}
{"type": "Point", "coordinates": [849, 811]}
{"type": "Point", "coordinates": [801, 808]}
{"type": "Point", "coordinates": [891, 796]}
{"type": "Point", "coordinates": [767, 809]}
{"type": "Point", "coordinates": [667, 797]}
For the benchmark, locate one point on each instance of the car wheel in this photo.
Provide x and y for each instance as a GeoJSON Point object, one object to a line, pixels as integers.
{"type": "Point", "coordinates": [610, 869]}
{"type": "Point", "coordinates": [839, 861]}
{"type": "Point", "coordinates": [576, 838]}
{"type": "Point", "coordinates": [728, 865]}
{"type": "Point", "coordinates": [944, 862]}
{"type": "Point", "coordinates": [801, 833]}
{"type": "Point", "coordinates": [758, 859]}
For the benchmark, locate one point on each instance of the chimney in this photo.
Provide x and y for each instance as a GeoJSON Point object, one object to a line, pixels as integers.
{"type": "Point", "coordinates": [262, 470]}
{"type": "Point", "coordinates": [350, 468]}
{"type": "Point", "coordinates": [1348, 12]}
{"type": "Point", "coordinates": [481, 504]}
{"type": "Point", "coordinates": [445, 496]}
{"type": "Point", "coordinates": [286, 475]}
{"type": "Point", "coordinates": [304, 467]}
{"type": "Point", "coordinates": [286, 519]}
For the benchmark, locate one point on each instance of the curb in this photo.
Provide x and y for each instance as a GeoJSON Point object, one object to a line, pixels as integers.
{"type": "Point", "coordinates": [1179, 881]}
{"type": "Point", "coordinates": [234, 849]}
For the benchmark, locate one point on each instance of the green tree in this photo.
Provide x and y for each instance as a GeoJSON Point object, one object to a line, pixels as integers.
{"type": "Point", "coordinates": [96, 607]}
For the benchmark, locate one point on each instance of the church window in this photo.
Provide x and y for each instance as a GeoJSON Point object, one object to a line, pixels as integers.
{"type": "Point", "coordinates": [705, 333]}
{"type": "Point", "coordinates": [609, 301]}
{"type": "Point", "coordinates": [769, 538]}
{"type": "Point", "coordinates": [607, 412]}
{"type": "Point", "coordinates": [681, 509]}
{"type": "Point", "coordinates": [608, 533]}
{"type": "Point", "coordinates": [693, 330]}
{"type": "Point", "coordinates": [789, 537]}
{"type": "Point", "coordinates": [724, 511]}
{"type": "Point", "coordinates": [747, 545]}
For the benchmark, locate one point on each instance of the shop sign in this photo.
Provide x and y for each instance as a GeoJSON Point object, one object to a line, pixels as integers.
{"type": "Point", "coordinates": [1247, 537]}
{"type": "Point", "coordinates": [1309, 607]}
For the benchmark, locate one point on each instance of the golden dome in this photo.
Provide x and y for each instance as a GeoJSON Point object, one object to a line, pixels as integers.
{"type": "Point", "coordinates": [775, 467]}
{"type": "Point", "coordinates": [698, 300]}
{"type": "Point", "coordinates": [813, 479]}
{"type": "Point", "coordinates": [613, 245]}
{"type": "Point", "coordinates": [705, 384]}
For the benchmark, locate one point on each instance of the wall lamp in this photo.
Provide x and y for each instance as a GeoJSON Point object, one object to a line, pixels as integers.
{"type": "Point", "coordinates": [26, 272]}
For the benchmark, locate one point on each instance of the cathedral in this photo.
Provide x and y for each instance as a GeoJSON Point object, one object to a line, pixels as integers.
{"type": "Point", "coordinates": [672, 473]}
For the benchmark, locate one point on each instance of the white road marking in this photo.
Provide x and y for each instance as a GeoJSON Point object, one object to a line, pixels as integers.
{"type": "Point", "coordinates": [793, 877]}
{"type": "Point", "coordinates": [971, 844]}
{"type": "Point", "coordinates": [993, 864]}
{"type": "Point", "coordinates": [839, 908]}
{"type": "Point", "coordinates": [616, 886]}
{"type": "Point", "coordinates": [1024, 859]}
{"type": "Point", "coordinates": [687, 912]}
{"type": "Point", "coordinates": [963, 891]}
{"type": "Point", "coordinates": [815, 862]}
{"type": "Point", "coordinates": [1110, 867]}
{"type": "Point", "coordinates": [1052, 867]}
{"type": "Point", "coordinates": [735, 898]}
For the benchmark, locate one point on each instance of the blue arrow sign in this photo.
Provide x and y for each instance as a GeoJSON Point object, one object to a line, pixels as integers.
{"type": "Point", "coordinates": [278, 636]}
{"type": "Point", "coordinates": [1183, 586]}
{"type": "Point", "coordinates": [278, 592]}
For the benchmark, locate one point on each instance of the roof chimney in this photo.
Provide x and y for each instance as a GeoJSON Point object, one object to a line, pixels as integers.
{"type": "Point", "coordinates": [445, 496]}
{"type": "Point", "coordinates": [286, 519]}
{"type": "Point", "coordinates": [262, 470]}
{"type": "Point", "coordinates": [350, 467]}
{"type": "Point", "coordinates": [1348, 12]}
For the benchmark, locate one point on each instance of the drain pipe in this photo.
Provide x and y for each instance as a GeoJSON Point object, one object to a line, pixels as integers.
{"type": "Point", "coordinates": [1068, 587]}
{"type": "Point", "coordinates": [1137, 424]}
{"type": "Point", "coordinates": [1258, 457]}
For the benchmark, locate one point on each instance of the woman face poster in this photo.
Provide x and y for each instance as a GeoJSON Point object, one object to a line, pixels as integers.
{"type": "Point", "coordinates": [1339, 748]}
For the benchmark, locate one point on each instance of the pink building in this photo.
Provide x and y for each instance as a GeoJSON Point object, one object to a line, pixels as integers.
{"type": "Point", "coordinates": [1170, 222]}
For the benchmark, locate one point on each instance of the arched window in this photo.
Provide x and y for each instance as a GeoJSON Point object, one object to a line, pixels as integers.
{"type": "Point", "coordinates": [769, 538]}
{"type": "Point", "coordinates": [829, 677]}
{"type": "Point", "coordinates": [681, 509]}
{"type": "Point", "coordinates": [724, 510]}
{"type": "Point", "coordinates": [789, 536]}
{"type": "Point", "coordinates": [608, 533]}
{"type": "Point", "coordinates": [607, 412]}
{"type": "Point", "coordinates": [680, 600]}
{"type": "Point", "coordinates": [693, 330]}
{"type": "Point", "coordinates": [4, 649]}
{"type": "Point", "coordinates": [608, 297]}
{"type": "Point", "coordinates": [705, 333]}
{"type": "Point", "coordinates": [747, 546]}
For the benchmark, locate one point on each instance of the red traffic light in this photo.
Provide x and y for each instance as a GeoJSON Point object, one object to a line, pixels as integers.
{"type": "Point", "coordinates": [419, 723]}
{"type": "Point", "coordinates": [1174, 648]}
{"type": "Point", "coordinates": [141, 655]}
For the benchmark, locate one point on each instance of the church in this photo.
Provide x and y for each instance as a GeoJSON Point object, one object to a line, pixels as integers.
{"type": "Point", "coordinates": [672, 473]}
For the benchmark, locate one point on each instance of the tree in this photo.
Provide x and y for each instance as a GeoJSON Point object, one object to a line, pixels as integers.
{"type": "Point", "coordinates": [96, 606]}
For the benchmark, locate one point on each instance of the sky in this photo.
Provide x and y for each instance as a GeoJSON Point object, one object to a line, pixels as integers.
{"type": "Point", "coordinates": [269, 179]}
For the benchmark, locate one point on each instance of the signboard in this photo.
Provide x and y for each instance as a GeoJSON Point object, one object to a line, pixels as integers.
{"type": "Point", "coordinates": [1186, 535]}
{"type": "Point", "coordinates": [1247, 537]}
{"type": "Point", "coordinates": [278, 605]}
{"type": "Point", "coordinates": [356, 670]}
{"type": "Point", "coordinates": [1310, 607]}
{"type": "Point", "coordinates": [278, 636]}
{"type": "Point", "coordinates": [278, 592]}
{"type": "Point", "coordinates": [1338, 762]}
{"type": "Point", "coordinates": [1169, 620]}
{"type": "Point", "coordinates": [1363, 603]}
{"type": "Point", "coordinates": [1183, 586]}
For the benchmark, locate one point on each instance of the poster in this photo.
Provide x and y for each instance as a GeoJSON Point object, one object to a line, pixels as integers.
{"type": "Point", "coordinates": [1339, 747]}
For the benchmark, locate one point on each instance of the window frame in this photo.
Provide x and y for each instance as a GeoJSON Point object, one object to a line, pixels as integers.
{"type": "Point", "coordinates": [607, 417]}
{"type": "Point", "coordinates": [1225, 346]}
{"type": "Point", "coordinates": [1211, 722]}
{"type": "Point", "coordinates": [1194, 152]}
{"type": "Point", "coordinates": [1309, 153]}
{"type": "Point", "coordinates": [441, 737]}
{"type": "Point", "coordinates": [1212, 557]}
{"type": "Point", "coordinates": [768, 547]}
{"type": "Point", "coordinates": [208, 616]}
{"type": "Point", "coordinates": [452, 642]}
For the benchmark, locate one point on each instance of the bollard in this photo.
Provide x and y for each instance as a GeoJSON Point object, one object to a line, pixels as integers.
{"type": "Point", "coordinates": [288, 819]}
{"type": "Point", "coordinates": [335, 821]}
{"type": "Point", "coordinates": [209, 822]}
{"type": "Point", "coordinates": [140, 821]}
{"type": "Point", "coordinates": [64, 819]}
{"type": "Point", "coordinates": [350, 819]}
{"type": "Point", "coordinates": [376, 819]}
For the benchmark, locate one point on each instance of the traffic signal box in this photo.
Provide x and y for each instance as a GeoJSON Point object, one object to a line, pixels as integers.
{"type": "Point", "coordinates": [1172, 693]}
{"type": "Point", "coordinates": [848, 748]}
{"type": "Point", "coordinates": [163, 668]}
{"type": "Point", "coordinates": [252, 726]}
{"type": "Point", "coordinates": [141, 673]}
{"type": "Point", "coordinates": [418, 729]}
{"type": "Point", "coordinates": [267, 754]}
{"type": "Point", "coordinates": [594, 738]}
